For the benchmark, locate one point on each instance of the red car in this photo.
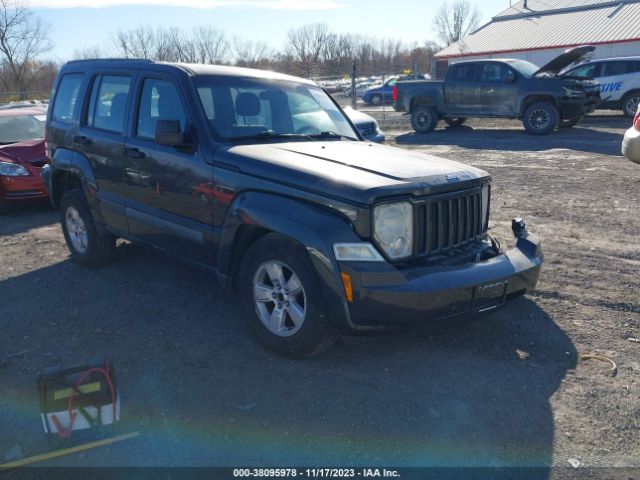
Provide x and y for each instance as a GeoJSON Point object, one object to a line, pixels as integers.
{"type": "Point", "coordinates": [22, 155]}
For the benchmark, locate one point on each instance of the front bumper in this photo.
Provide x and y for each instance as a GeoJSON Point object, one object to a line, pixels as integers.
{"type": "Point", "coordinates": [631, 145]}
{"type": "Point", "coordinates": [386, 296]}
{"type": "Point", "coordinates": [377, 137]}
{"type": "Point", "coordinates": [576, 107]}
{"type": "Point", "coordinates": [18, 190]}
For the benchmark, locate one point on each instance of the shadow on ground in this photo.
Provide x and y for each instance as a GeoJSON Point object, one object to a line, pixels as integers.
{"type": "Point", "coordinates": [579, 138]}
{"type": "Point", "coordinates": [202, 392]}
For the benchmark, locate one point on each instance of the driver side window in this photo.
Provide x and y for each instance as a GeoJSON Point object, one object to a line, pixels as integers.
{"type": "Point", "coordinates": [159, 101]}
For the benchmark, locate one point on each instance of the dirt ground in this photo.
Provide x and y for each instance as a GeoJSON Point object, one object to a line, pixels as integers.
{"type": "Point", "coordinates": [508, 389]}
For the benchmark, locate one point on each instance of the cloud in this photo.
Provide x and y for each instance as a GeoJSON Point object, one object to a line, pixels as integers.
{"type": "Point", "coordinates": [203, 4]}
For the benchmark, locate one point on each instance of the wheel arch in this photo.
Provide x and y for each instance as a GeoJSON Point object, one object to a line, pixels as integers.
{"type": "Point", "coordinates": [537, 97]}
{"type": "Point", "coordinates": [256, 214]}
{"type": "Point", "coordinates": [71, 170]}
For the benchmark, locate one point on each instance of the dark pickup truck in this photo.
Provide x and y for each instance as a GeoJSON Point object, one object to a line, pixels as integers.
{"type": "Point", "coordinates": [505, 88]}
{"type": "Point", "coordinates": [261, 179]}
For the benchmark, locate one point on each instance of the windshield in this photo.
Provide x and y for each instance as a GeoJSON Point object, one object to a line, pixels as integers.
{"type": "Point", "coordinates": [18, 128]}
{"type": "Point", "coordinates": [526, 69]}
{"type": "Point", "coordinates": [245, 108]}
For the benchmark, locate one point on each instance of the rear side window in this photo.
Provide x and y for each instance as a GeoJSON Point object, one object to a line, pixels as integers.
{"type": "Point", "coordinates": [463, 73]}
{"type": "Point", "coordinates": [67, 97]}
{"type": "Point", "coordinates": [109, 98]}
{"type": "Point", "coordinates": [614, 68]}
{"type": "Point", "coordinates": [633, 66]}
{"type": "Point", "coordinates": [159, 101]}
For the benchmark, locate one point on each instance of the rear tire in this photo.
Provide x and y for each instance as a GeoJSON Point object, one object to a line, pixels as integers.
{"type": "Point", "coordinates": [87, 245]}
{"type": "Point", "coordinates": [630, 104]}
{"type": "Point", "coordinates": [455, 121]}
{"type": "Point", "coordinates": [569, 122]}
{"type": "Point", "coordinates": [424, 119]}
{"type": "Point", "coordinates": [281, 299]}
{"type": "Point", "coordinates": [540, 118]}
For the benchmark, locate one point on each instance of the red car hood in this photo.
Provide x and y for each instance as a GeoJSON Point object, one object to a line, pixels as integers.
{"type": "Point", "coordinates": [29, 151]}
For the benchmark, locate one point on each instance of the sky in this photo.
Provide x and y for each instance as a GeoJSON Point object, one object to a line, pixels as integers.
{"type": "Point", "coordinates": [76, 25]}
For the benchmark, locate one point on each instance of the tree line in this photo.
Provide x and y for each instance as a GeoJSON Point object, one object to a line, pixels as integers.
{"type": "Point", "coordinates": [312, 51]}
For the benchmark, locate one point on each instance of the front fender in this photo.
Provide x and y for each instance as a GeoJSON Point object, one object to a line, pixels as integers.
{"type": "Point", "coordinates": [315, 227]}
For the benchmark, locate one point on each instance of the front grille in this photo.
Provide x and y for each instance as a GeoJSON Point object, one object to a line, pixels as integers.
{"type": "Point", "coordinates": [367, 129]}
{"type": "Point", "coordinates": [449, 222]}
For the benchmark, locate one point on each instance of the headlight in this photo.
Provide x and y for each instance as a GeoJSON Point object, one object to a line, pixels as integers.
{"type": "Point", "coordinates": [486, 189]}
{"type": "Point", "coordinates": [573, 92]}
{"type": "Point", "coordinates": [13, 170]}
{"type": "Point", "coordinates": [393, 229]}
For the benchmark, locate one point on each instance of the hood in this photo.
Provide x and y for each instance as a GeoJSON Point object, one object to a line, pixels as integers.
{"type": "Point", "coordinates": [561, 62]}
{"type": "Point", "coordinates": [358, 117]}
{"type": "Point", "coordinates": [358, 171]}
{"type": "Point", "coordinates": [30, 151]}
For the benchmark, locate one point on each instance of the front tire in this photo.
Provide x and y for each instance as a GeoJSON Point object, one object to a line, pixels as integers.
{"type": "Point", "coordinates": [87, 245]}
{"type": "Point", "coordinates": [630, 104]}
{"type": "Point", "coordinates": [376, 99]}
{"type": "Point", "coordinates": [281, 298]}
{"type": "Point", "coordinates": [424, 119]}
{"type": "Point", "coordinates": [540, 118]}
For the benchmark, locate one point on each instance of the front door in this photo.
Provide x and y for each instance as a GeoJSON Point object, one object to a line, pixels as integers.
{"type": "Point", "coordinates": [498, 89]}
{"type": "Point", "coordinates": [166, 206]}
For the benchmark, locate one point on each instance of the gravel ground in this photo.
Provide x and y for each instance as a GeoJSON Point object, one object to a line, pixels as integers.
{"type": "Point", "coordinates": [508, 389]}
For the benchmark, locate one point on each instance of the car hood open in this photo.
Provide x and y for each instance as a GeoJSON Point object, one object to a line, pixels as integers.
{"type": "Point", "coordinates": [358, 171]}
{"type": "Point", "coordinates": [562, 61]}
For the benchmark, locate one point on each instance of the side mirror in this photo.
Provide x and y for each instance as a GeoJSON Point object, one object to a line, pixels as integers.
{"type": "Point", "coordinates": [168, 133]}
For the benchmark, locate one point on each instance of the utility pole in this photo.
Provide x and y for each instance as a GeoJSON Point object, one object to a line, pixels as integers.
{"type": "Point", "coordinates": [353, 84]}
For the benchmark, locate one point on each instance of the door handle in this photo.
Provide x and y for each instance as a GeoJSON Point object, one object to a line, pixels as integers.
{"type": "Point", "coordinates": [133, 153]}
{"type": "Point", "coordinates": [81, 140]}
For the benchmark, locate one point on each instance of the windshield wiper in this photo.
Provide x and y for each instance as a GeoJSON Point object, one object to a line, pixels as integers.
{"type": "Point", "coordinates": [271, 134]}
{"type": "Point", "coordinates": [331, 134]}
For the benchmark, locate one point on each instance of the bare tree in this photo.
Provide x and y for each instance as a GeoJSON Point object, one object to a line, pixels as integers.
{"type": "Point", "coordinates": [307, 44]}
{"type": "Point", "coordinates": [247, 53]}
{"type": "Point", "coordinates": [23, 37]}
{"type": "Point", "coordinates": [210, 44]}
{"type": "Point", "coordinates": [455, 20]}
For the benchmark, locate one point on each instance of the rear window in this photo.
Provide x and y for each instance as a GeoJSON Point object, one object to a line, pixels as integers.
{"type": "Point", "coordinates": [66, 99]}
{"type": "Point", "coordinates": [109, 99]}
{"type": "Point", "coordinates": [609, 69]}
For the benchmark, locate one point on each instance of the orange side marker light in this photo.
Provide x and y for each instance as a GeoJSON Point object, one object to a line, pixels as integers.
{"type": "Point", "coordinates": [348, 289]}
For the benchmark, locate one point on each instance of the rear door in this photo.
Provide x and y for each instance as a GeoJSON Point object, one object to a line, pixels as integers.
{"type": "Point", "coordinates": [101, 139]}
{"type": "Point", "coordinates": [461, 89]}
{"type": "Point", "coordinates": [615, 77]}
{"type": "Point", "coordinates": [170, 200]}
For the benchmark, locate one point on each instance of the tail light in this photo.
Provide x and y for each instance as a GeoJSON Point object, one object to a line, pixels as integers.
{"type": "Point", "coordinates": [636, 121]}
{"type": "Point", "coordinates": [394, 93]}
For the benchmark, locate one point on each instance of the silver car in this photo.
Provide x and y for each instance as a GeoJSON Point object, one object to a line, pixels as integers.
{"type": "Point", "coordinates": [631, 140]}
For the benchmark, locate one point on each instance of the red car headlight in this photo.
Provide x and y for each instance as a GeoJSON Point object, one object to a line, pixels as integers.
{"type": "Point", "coordinates": [10, 169]}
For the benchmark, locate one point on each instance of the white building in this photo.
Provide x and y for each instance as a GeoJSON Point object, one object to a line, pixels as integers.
{"type": "Point", "coordinates": [538, 31]}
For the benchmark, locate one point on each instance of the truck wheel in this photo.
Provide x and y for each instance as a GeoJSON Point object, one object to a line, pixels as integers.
{"type": "Point", "coordinates": [540, 118]}
{"type": "Point", "coordinates": [455, 121]}
{"type": "Point", "coordinates": [569, 122]}
{"type": "Point", "coordinates": [424, 119]}
{"type": "Point", "coordinates": [630, 104]}
{"type": "Point", "coordinates": [376, 99]}
{"type": "Point", "coordinates": [281, 299]}
{"type": "Point", "coordinates": [88, 246]}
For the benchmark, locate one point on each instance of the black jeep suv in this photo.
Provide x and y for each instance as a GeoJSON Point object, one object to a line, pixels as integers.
{"type": "Point", "coordinates": [262, 179]}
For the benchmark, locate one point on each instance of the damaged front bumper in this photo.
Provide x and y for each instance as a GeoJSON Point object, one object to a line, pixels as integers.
{"type": "Point", "coordinates": [384, 295]}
